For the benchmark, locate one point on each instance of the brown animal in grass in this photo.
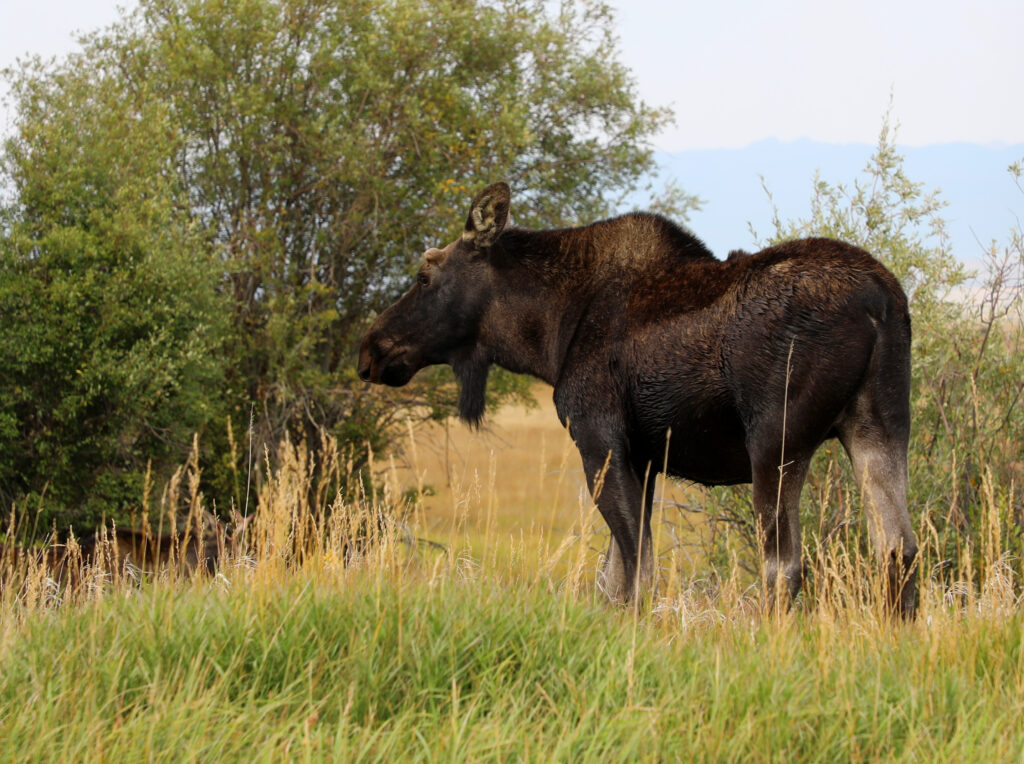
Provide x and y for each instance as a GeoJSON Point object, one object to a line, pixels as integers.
{"type": "Point", "coordinates": [191, 550]}
{"type": "Point", "coordinates": [141, 548]}
{"type": "Point", "coordinates": [662, 356]}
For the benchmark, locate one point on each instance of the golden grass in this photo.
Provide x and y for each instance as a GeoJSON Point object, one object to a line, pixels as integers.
{"type": "Point", "coordinates": [514, 487]}
{"type": "Point", "coordinates": [495, 636]}
{"type": "Point", "coordinates": [509, 502]}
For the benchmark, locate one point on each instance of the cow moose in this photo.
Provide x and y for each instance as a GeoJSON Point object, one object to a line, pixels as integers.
{"type": "Point", "coordinates": [665, 359]}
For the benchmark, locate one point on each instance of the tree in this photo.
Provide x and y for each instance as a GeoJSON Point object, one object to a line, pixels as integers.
{"type": "Point", "coordinates": [316, 148]}
{"type": "Point", "coordinates": [329, 144]}
{"type": "Point", "coordinates": [111, 319]}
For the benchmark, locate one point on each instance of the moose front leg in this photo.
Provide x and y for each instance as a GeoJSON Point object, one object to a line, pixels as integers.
{"type": "Point", "coordinates": [624, 503]}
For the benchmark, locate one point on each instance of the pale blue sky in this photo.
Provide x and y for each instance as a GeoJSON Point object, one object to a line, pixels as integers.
{"type": "Point", "coordinates": [737, 71]}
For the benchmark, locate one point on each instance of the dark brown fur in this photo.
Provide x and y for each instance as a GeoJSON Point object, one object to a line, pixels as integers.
{"type": "Point", "coordinates": [725, 372]}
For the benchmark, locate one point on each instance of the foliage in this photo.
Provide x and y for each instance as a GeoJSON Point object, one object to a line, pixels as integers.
{"type": "Point", "coordinates": [308, 151]}
{"type": "Point", "coordinates": [327, 145]}
{"type": "Point", "coordinates": [111, 320]}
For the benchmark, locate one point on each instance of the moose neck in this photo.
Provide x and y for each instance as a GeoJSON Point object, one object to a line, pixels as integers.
{"type": "Point", "coordinates": [540, 295]}
{"type": "Point", "coordinates": [533, 309]}
{"type": "Point", "coordinates": [544, 282]}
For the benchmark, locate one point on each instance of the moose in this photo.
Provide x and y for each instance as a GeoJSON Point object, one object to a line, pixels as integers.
{"type": "Point", "coordinates": [666, 359]}
{"type": "Point", "coordinates": [201, 547]}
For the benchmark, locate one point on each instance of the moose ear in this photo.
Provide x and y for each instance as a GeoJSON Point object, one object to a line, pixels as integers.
{"type": "Point", "coordinates": [487, 216]}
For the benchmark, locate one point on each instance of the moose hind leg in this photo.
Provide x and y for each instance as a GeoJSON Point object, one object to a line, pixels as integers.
{"type": "Point", "coordinates": [880, 467]}
{"type": "Point", "coordinates": [777, 506]}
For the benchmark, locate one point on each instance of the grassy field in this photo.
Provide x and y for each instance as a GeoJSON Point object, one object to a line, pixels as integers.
{"type": "Point", "coordinates": [472, 631]}
{"type": "Point", "coordinates": [515, 487]}
{"type": "Point", "coordinates": [383, 666]}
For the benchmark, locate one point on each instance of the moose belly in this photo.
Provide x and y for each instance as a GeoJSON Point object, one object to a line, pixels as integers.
{"type": "Point", "coordinates": [704, 446]}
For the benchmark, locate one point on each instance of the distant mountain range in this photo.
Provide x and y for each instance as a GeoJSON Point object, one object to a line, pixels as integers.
{"type": "Point", "coordinates": [983, 201]}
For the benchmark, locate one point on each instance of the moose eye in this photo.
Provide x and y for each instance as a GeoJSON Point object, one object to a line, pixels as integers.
{"type": "Point", "coordinates": [423, 279]}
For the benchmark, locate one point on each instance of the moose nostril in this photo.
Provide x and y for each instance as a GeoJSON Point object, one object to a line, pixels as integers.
{"type": "Point", "coordinates": [365, 361]}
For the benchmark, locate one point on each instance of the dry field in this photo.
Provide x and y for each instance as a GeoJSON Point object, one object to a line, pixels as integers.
{"type": "Point", "coordinates": [492, 643]}
{"type": "Point", "coordinates": [516, 486]}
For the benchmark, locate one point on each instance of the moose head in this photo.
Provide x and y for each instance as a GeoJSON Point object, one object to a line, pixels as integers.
{"type": "Point", "coordinates": [439, 319]}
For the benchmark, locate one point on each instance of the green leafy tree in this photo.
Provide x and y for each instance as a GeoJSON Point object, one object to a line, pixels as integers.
{"type": "Point", "coordinates": [328, 145]}
{"type": "Point", "coordinates": [312, 150]}
{"type": "Point", "coordinates": [111, 322]}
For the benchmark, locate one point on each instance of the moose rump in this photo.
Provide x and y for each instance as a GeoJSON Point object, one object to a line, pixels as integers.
{"type": "Point", "coordinates": [663, 358]}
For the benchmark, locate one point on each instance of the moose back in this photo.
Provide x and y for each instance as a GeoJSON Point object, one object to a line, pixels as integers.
{"type": "Point", "coordinates": [663, 358]}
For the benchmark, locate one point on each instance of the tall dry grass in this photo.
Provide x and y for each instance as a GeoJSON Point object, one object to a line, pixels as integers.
{"type": "Point", "coordinates": [397, 522]}
{"type": "Point", "coordinates": [358, 628]}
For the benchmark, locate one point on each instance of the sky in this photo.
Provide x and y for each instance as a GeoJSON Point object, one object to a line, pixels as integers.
{"type": "Point", "coordinates": [740, 71]}
{"type": "Point", "coordinates": [741, 74]}
{"type": "Point", "coordinates": [48, 28]}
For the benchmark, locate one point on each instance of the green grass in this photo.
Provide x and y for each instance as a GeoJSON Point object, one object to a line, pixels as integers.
{"type": "Point", "coordinates": [371, 666]}
{"type": "Point", "coordinates": [415, 652]}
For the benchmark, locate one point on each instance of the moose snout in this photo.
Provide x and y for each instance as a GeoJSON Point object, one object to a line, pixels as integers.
{"type": "Point", "coordinates": [365, 359]}
{"type": "Point", "coordinates": [375, 356]}
{"type": "Point", "coordinates": [363, 369]}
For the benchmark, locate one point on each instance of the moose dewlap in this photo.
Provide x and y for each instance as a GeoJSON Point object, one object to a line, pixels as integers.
{"type": "Point", "coordinates": [750, 364]}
